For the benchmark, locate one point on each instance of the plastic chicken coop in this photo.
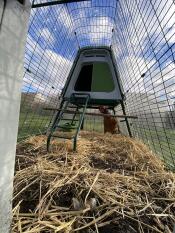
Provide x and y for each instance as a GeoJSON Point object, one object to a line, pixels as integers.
{"type": "Point", "coordinates": [119, 52]}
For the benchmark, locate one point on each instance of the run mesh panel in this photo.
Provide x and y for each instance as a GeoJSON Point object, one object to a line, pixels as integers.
{"type": "Point", "coordinates": [55, 35]}
{"type": "Point", "coordinates": [50, 52]}
{"type": "Point", "coordinates": [143, 45]}
{"type": "Point", "coordinates": [141, 34]}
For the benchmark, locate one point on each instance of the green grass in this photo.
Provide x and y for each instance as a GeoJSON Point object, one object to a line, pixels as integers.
{"type": "Point", "coordinates": [94, 125]}
{"type": "Point", "coordinates": [161, 141]}
{"type": "Point", "coordinates": [32, 124]}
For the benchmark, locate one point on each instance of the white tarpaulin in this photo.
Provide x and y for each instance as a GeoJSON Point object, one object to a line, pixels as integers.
{"type": "Point", "coordinates": [14, 18]}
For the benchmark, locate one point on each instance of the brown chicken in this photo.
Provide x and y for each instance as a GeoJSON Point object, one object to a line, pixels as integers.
{"type": "Point", "coordinates": [111, 124]}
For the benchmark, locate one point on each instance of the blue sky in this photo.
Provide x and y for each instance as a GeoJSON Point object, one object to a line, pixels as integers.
{"type": "Point", "coordinates": [142, 41]}
{"type": "Point", "coordinates": [52, 32]}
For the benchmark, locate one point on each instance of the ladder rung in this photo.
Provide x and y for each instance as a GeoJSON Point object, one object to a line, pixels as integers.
{"type": "Point", "coordinates": [64, 119]}
{"type": "Point", "coordinates": [65, 127]}
{"type": "Point", "coordinates": [71, 112]}
{"type": "Point", "coordinates": [68, 127]}
{"type": "Point", "coordinates": [64, 137]}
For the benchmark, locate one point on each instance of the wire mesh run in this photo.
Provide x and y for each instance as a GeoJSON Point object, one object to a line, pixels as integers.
{"type": "Point", "coordinates": [143, 44]}
{"type": "Point", "coordinates": [141, 35]}
{"type": "Point", "coordinates": [48, 59]}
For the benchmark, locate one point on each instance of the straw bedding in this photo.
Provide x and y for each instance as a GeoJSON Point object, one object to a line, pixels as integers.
{"type": "Point", "coordinates": [111, 184]}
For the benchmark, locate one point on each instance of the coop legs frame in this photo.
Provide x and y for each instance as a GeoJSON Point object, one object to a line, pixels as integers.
{"type": "Point", "coordinates": [126, 119]}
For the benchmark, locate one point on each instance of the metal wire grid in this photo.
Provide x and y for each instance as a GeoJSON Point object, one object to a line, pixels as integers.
{"type": "Point", "coordinates": [143, 45]}
{"type": "Point", "coordinates": [93, 22]}
{"type": "Point", "coordinates": [142, 37]}
{"type": "Point", "coordinates": [46, 68]}
{"type": "Point", "coordinates": [55, 35]}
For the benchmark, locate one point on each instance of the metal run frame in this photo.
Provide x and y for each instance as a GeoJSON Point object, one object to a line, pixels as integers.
{"type": "Point", "coordinates": [141, 37]}
{"type": "Point", "coordinates": [53, 3]}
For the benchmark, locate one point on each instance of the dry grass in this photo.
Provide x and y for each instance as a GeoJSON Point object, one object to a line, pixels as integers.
{"type": "Point", "coordinates": [112, 184]}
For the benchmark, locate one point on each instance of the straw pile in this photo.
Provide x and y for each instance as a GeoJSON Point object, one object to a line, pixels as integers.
{"type": "Point", "coordinates": [112, 184]}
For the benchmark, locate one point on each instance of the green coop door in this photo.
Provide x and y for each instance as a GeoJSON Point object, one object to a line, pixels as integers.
{"type": "Point", "coordinates": [96, 77]}
{"type": "Point", "coordinates": [101, 78]}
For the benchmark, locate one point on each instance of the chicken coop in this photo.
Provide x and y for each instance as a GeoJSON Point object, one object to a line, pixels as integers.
{"type": "Point", "coordinates": [94, 74]}
{"type": "Point", "coordinates": [62, 59]}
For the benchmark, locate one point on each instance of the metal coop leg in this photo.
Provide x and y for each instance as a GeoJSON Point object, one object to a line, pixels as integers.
{"type": "Point", "coordinates": [126, 119]}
